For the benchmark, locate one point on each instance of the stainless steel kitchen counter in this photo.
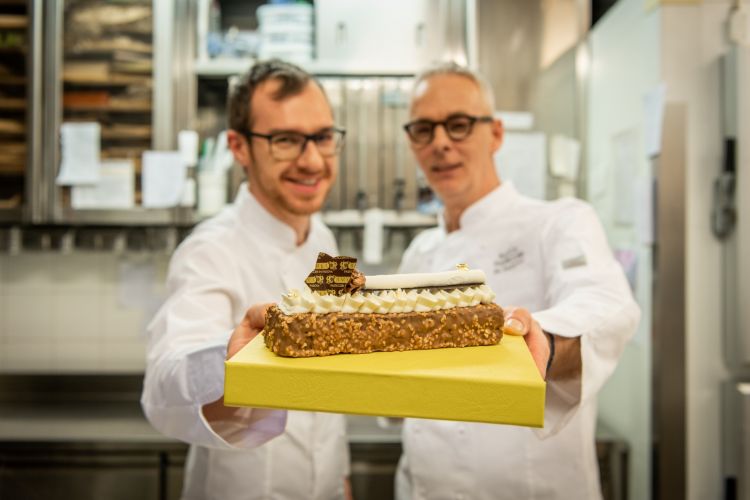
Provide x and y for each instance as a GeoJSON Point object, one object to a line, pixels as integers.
{"type": "Point", "coordinates": [124, 422]}
{"type": "Point", "coordinates": [106, 409]}
{"type": "Point", "coordinates": [111, 422]}
{"type": "Point", "coordinates": [80, 421]}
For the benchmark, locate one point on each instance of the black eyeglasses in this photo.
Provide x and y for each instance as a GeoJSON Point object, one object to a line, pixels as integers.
{"type": "Point", "coordinates": [287, 146]}
{"type": "Point", "coordinates": [458, 127]}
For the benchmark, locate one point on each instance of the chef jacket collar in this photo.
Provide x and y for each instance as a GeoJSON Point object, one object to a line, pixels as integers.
{"type": "Point", "coordinates": [262, 223]}
{"type": "Point", "coordinates": [496, 201]}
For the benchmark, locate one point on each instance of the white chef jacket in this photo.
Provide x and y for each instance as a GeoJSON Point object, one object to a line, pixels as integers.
{"type": "Point", "coordinates": [242, 256]}
{"type": "Point", "coordinates": [553, 259]}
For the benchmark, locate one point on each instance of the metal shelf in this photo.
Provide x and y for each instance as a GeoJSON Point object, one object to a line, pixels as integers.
{"type": "Point", "coordinates": [225, 67]}
{"type": "Point", "coordinates": [109, 108]}
{"type": "Point", "coordinates": [391, 219]}
{"type": "Point", "coordinates": [9, 21]}
{"type": "Point", "coordinates": [10, 103]}
{"type": "Point", "coordinates": [110, 81]}
{"type": "Point", "coordinates": [10, 215]}
{"type": "Point", "coordinates": [137, 216]}
{"type": "Point", "coordinates": [12, 80]}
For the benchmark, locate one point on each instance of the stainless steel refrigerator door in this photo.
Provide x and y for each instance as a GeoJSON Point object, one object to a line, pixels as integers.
{"type": "Point", "coordinates": [736, 440]}
{"type": "Point", "coordinates": [743, 207]}
{"type": "Point", "coordinates": [732, 200]}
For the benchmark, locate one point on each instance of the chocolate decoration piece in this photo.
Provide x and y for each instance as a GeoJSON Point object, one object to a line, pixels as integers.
{"type": "Point", "coordinates": [331, 275]}
{"type": "Point", "coordinates": [310, 334]}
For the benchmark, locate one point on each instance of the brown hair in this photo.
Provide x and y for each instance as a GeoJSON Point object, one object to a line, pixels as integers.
{"type": "Point", "coordinates": [293, 80]}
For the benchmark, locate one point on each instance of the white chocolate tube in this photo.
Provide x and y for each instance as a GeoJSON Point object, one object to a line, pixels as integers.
{"type": "Point", "coordinates": [424, 280]}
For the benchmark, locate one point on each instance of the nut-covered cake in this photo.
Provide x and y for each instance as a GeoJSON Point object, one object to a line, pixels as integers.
{"type": "Point", "coordinates": [346, 312]}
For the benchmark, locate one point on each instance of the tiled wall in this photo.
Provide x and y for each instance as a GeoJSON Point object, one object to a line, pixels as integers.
{"type": "Point", "coordinates": [83, 312]}
{"type": "Point", "coordinates": [86, 312]}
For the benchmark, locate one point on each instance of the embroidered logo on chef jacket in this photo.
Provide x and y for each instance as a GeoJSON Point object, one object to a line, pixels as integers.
{"type": "Point", "coordinates": [509, 259]}
{"type": "Point", "coordinates": [577, 261]}
{"type": "Point", "coordinates": [573, 256]}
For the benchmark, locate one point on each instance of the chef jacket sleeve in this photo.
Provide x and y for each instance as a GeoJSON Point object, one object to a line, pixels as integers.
{"type": "Point", "coordinates": [587, 295]}
{"type": "Point", "coordinates": [187, 342]}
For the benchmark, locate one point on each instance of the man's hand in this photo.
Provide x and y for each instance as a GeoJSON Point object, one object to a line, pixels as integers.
{"type": "Point", "coordinates": [518, 321]}
{"type": "Point", "coordinates": [249, 327]}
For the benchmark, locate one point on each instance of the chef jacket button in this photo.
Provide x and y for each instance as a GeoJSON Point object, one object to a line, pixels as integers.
{"type": "Point", "coordinates": [461, 430]}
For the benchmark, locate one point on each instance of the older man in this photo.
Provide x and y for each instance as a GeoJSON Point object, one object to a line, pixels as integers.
{"type": "Point", "coordinates": [550, 258]}
{"type": "Point", "coordinates": [283, 134]}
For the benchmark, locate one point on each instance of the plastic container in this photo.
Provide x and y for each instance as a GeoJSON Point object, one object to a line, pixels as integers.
{"type": "Point", "coordinates": [298, 13]}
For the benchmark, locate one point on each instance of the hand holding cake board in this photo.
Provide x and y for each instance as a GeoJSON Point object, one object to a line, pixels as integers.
{"type": "Point", "coordinates": [344, 312]}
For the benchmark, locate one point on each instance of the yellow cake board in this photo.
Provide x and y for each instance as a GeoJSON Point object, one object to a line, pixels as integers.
{"type": "Point", "coordinates": [496, 384]}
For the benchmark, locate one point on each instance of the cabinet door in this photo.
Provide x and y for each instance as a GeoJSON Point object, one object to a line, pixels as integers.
{"type": "Point", "coordinates": [373, 36]}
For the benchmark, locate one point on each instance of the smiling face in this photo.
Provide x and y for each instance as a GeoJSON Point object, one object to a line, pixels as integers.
{"type": "Point", "coordinates": [291, 188]}
{"type": "Point", "coordinates": [460, 172]}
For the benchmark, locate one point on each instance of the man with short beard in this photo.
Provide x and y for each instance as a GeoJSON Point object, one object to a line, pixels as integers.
{"type": "Point", "coordinates": [283, 134]}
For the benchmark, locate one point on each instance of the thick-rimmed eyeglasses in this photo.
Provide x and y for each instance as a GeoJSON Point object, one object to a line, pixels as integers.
{"type": "Point", "coordinates": [458, 127]}
{"type": "Point", "coordinates": [287, 146]}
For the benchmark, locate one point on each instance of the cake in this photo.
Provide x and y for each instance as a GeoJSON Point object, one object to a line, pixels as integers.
{"type": "Point", "coordinates": [345, 312]}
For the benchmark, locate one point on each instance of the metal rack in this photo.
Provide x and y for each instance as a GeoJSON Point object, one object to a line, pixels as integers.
{"type": "Point", "coordinates": [20, 94]}
{"type": "Point", "coordinates": [84, 67]}
{"type": "Point", "coordinates": [112, 72]}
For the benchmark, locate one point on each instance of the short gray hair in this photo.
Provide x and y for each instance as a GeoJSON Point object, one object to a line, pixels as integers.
{"type": "Point", "coordinates": [453, 68]}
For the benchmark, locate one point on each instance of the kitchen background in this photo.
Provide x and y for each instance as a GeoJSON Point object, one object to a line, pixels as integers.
{"type": "Point", "coordinates": [638, 106]}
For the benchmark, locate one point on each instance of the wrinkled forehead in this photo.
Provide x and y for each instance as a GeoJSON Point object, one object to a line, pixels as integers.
{"type": "Point", "coordinates": [439, 96]}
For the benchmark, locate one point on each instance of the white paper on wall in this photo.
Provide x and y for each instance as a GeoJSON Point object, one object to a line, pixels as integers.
{"type": "Point", "coordinates": [79, 147]}
{"type": "Point", "coordinates": [653, 115]}
{"type": "Point", "coordinates": [644, 207]}
{"type": "Point", "coordinates": [163, 178]}
{"type": "Point", "coordinates": [187, 143]}
{"type": "Point", "coordinates": [628, 259]}
{"type": "Point", "coordinates": [516, 120]}
{"type": "Point", "coordinates": [523, 159]}
{"type": "Point", "coordinates": [625, 162]}
{"type": "Point", "coordinates": [566, 189]}
{"type": "Point", "coordinates": [136, 278]}
{"type": "Point", "coordinates": [136, 290]}
{"type": "Point", "coordinates": [115, 189]}
{"type": "Point", "coordinates": [373, 236]}
{"type": "Point", "coordinates": [598, 179]}
{"type": "Point", "coordinates": [565, 157]}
